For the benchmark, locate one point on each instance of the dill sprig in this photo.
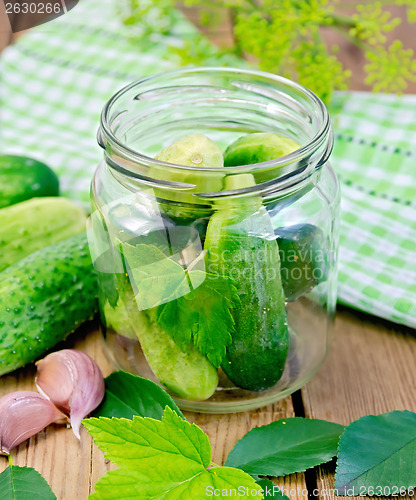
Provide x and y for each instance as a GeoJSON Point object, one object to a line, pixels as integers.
{"type": "Point", "coordinates": [285, 37]}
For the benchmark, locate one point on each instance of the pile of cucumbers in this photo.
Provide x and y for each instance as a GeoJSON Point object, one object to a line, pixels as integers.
{"type": "Point", "coordinates": [48, 286]}
{"type": "Point", "coordinates": [240, 244]}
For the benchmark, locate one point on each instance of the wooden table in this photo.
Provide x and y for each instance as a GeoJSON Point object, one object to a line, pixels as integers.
{"type": "Point", "coordinates": [371, 369]}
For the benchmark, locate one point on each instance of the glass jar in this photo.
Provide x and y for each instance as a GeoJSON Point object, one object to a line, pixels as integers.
{"type": "Point", "coordinates": [217, 283]}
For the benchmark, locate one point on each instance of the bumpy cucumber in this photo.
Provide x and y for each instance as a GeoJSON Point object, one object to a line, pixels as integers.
{"type": "Point", "coordinates": [22, 178]}
{"type": "Point", "coordinates": [43, 298]}
{"type": "Point", "coordinates": [37, 223]}
{"type": "Point", "coordinates": [197, 151]}
{"type": "Point", "coordinates": [240, 243]}
{"type": "Point", "coordinates": [187, 373]}
{"type": "Point", "coordinates": [258, 147]}
{"type": "Point", "coordinates": [118, 319]}
{"type": "Point", "coordinates": [303, 256]}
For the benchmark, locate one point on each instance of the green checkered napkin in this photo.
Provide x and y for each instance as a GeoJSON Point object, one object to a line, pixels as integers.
{"type": "Point", "coordinates": [55, 80]}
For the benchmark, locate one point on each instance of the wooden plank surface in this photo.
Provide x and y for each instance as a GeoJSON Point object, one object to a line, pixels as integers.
{"type": "Point", "coordinates": [371, 369]}
{"type": "Point", "coordinates": [72, 467]}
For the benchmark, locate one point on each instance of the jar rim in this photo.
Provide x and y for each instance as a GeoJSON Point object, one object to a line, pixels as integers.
{"type": "Point", "coordinates": [106, 134]}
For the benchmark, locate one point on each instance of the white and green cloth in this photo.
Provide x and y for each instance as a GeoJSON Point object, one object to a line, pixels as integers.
{"type": "Point", "coordinates": [55, 80]}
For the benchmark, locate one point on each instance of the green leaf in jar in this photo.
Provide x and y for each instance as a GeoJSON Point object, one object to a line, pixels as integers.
{"type": "Point", "coordinates": [187, 303]}
{"type": "Point", "coordinates": [156, 277]}
{"type": "Point", "coordinates": [203, 316]}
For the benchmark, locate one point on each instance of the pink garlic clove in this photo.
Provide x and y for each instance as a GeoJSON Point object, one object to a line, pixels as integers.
{"type": "Point", "coordinates": [73, 382]}
{"type": "Point", "coordinates": [22, 415]}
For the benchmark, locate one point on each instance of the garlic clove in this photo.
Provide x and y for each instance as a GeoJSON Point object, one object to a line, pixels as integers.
{"type": "Point", "coordinates": [22, 415]}
{"type": "Point", "coordinates": [73, 382]}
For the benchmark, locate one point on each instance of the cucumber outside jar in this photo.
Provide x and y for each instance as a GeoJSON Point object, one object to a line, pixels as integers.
{"type": "Point", "coordinates": [214, 230]}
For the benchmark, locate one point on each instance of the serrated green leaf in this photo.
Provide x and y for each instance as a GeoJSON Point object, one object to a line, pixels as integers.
{"type": "Point", "coordinates": [193, 306]}
{"type": "Point", "coordinates": [127, 395]}
{"type": "Point", "coordinates": [158, 278]}
{"type": "Point", "coordinates": [169, 459]}
{"type": "Point", "coordinates": [130, 443]}
{"type": "Point", "coordinates": [133, 485]}
{"type": "Point", "coordinates": [271, 490]}
{"type": "Point", "coordinates": [286, 446]}
{"type": "Point", "coordinates": [377, 454]}
{"type": "Point", "coordinates": [24, 483]}
{"type": "Point", "coordinates": [203, 316]}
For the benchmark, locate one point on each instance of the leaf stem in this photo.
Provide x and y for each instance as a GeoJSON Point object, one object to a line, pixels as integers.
{"type": "Point", "coordinates": [341, 20]}
{"type": "Point", "coordinates": [237, 45]}
{"type": "Point", "coordinates": [358, 43]}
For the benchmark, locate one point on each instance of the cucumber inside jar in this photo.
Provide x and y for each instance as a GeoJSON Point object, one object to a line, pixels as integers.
{"type": "Point", "coordinates": [222, 305]}
{"type": "Point", "coordinates": [183, 370]}
{"type": "Point", "coordinates": [303, 255]}
{"type": "Point", "coordinates": [193, 150]}
{"type": "Point", "coordinates": [257, 148]}
{"type": "Point", "coordinates": [240, 244]}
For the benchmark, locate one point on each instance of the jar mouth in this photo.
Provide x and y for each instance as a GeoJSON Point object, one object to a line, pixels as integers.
{"type": "Point", "coordinates": [219, 85]}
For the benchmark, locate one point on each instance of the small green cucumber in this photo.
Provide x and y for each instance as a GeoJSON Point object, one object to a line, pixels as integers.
{"type": "Point", "coordinates": [43, 298]}
{"type": "Point", "coordinates": [33, 224]}
{"type": "Point", "coordinates": [240, 243]}
{"type": "Point", "coordinates": [195, 150]}
{"type": "Point", "coordinates": [118, 320]}
{"type": "Point", "coordinates": [116, 298]}
{"type": "Point", "coordinates": [303, 257]}
{"type": "Point", "coordinates": [187, 373]}
{"type": "Point", "coordinates": [22, 178]}
{"type": "Point", "coordinates": [258, 147]}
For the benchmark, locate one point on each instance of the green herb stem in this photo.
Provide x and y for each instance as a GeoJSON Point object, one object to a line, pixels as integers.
{"type": "Point", "coordinates": [341, 20]}
{"type": "Point", "coordinates": [236, 39]}
{"type": "Point", "coordinates": [358, 43]}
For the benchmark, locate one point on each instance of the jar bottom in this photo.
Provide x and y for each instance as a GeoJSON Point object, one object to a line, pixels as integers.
{"type": "Point", "coordinates": [305, 358]}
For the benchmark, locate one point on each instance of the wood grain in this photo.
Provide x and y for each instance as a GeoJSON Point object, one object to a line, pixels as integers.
{"type": "Point", "coordinates": [72, 467]}
{"type": "Point", "coordinates": [371, 370]}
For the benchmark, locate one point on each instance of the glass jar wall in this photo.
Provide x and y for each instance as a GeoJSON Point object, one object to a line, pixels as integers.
{"type": "Point", "coordinates": [217, 283]}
